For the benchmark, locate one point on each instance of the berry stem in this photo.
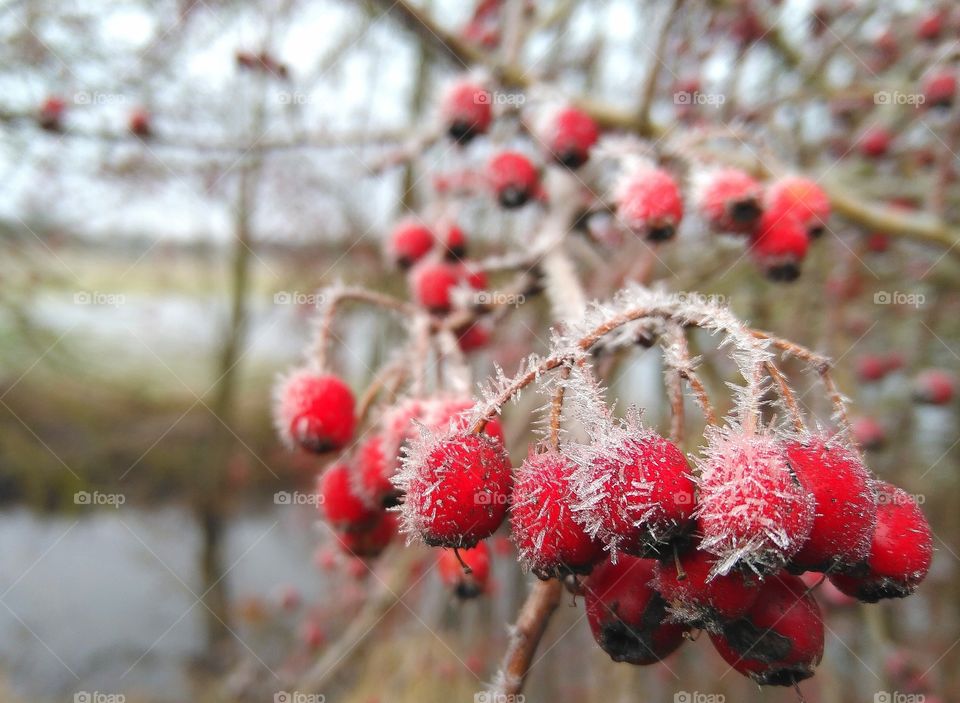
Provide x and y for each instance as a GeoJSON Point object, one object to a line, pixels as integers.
{"type": "Point", "coordinates": [787, 394]}
{"type": "Point", "coordinates": [466, 567]}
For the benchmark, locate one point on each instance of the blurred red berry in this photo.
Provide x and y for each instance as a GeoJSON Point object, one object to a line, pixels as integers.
{"type": "Point", "coordinates": [514, 179]}
{"type": "Point", "coordinates": [453, 574]}
{"type": "Point", "coordinates": [569, 135]}
{"type": "Point", "coordinates": [409, 242]}
{"type": "Point", "coordinates": [314, 411]}
{"type": "Point", "coordinates": [730, 200]}
{"type": "Point", "coordinates": [779, 246]}
{"type": "Point", "coordinates": [467, 111]}
{"type": "Point", "coordinates": [339, 504]}
{"type": "Point", "coordinates": [51, 114]}
{"type": "Point", "coordinates": [801, 198]}
{"type": "Point", "coordinates": [649, 203]}
{"type": "Point", "coordinates": [934, 387]}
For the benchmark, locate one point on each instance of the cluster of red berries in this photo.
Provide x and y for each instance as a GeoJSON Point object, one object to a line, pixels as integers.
{"type": "Point", "coordinates": [53, 111]}
{"type": "Point", "coordinates": [664, 551]}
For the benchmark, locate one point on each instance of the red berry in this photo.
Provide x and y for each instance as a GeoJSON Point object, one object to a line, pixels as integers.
{"type": "Point", "coordinates": [801, 198]}
{"type": "Point", "coordinates": [900, 552]}
{"type": "Point", "coordinates": [627, 617]}
{"type": "Point", "coordinates": [550, 540]}
{"type": "Point", "coordinates": [845, 504]}
{"type": "Point", "coordinates": [311, 634]}
{"type": "Point", "coordinates": [454, 576]}
{"type": "Point", "coordinates": [878, 242]}
{"type": "Point", "coordinates": [934, 386]}
{"type": "Point", "coordinates": [369, 542]}
{"type": "Point", "coordinates": [729, 199]}
{"type": "Point", "coordinates": [930, 25]}
{"type": "Point", "coordinates": [940, 89]}
{"type": "Point", "coordinates": [639, 492]}
{"type": "Point", "coordinates": [339, 504]}
{"type": "Point", "coordinates": [467, 110]}
{"type": "Point", "coordinates": [456, 488]}
{"type": "Point", "coordinates": [753, 510]}
{"type": "Point", "coordinates": [875, 142]}
{"type": "Point", "coordinates": [698, 599]}
{"type": "Point", "coordinates": [432, 281]}
{"type": "Point", "coordinates": [409, 242]}
{"type": "Point", "coordinates": [372, 481]}
{"type": "Point", "coordinates": [51, 113]}
{"type": "Point", "coordinates": [140, 123]}
{"type": "Point", "coordinates": [779, 246]}
{"type": "Point", "coordinates": [869, 434]}
{"type": "Point", "coordinates": [455, 243]}
{"type": "Point", "coordinates": [871, 367]}
{"type": "Point", "coordinates": [779, 641]}
{"type": "Point", "coordinates": [514, 178]}
{"type": "Point", "coordinates": [473, 337]}
{"type": "Point", "coordinates": [569, 134]}
{"type": "Point", "coordinates": [649, 203]}
{"type": "Point", "coordinates": [314, 411]}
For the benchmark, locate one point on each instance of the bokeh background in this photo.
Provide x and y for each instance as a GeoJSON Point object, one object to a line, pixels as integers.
{"type": "Point", "coordinates": [158, 542]}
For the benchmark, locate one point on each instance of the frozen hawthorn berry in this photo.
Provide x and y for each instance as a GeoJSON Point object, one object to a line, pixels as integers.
{"type": "Point", "coordinates": [779, 246]}
{"type": "Point", "coordinates": [514, 178]}
{"type": "Point", "coordinates": [939, 89]}
{"type": "Point", "coordinates": [569, 133]}
{"type": "Point", "coordinates": [371, 480]}
{"type": "Point", "coordinates": [466, 110]}
{"type": "Point", "coordinates": [934, 387]}
{"type": "Point", "coordinates": [456, 488]}
{"type": "Point", "coordinates": [431, 283]}
{"type": "Point", "coordinates": [468, 582]}
{"type": "Point", "coordinates": [699, 599]}
{"type": "Point", "coordinates": [753, 511]}
{"type": "Point", "coordinates": [314, 411]}
{"type": "Point", "coordinates": [649, 203]}
{"type": "Point", "coordinates": [409, 242]}
{"type": "Point", "coordinates": [875, 142]}
{"type": "Point", "coordinates": [845, 504]}
{"type": "Point", "coordinates": [869, 434]}
{"type": "Point", "coordinates": [638, 492]}
{"type": "Point", "coordinates": [627, 617]}
{"type": "Point", "coordinates": [779, 642]}
{"type": "Point", "coordinates": [900, 552]}
{"type": "Point", "coordinates": [455, 243]}
{"type": "Point", "coordinates": [370, 541]}
{"type": "Point", "coordinates": [339, 503]}
{"type": "Point", "coordinates": [140, 123]}
{"type": "Point", "coordinates": [474, 336]}
{"type": "Point", "coordinates": [801, 198]}
{"type": "Point", "coordinates": [550, 541]}
{"type": "Point", "coordinates": [730, 200]}
{"type": "Point", "coordinates": [51, 114]}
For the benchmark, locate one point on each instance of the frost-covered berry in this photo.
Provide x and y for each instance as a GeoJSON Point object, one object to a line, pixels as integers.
{"type": "Point", "coordinates": [314, 411]}
{"type": "Point", "coordinates": [729, 199]}
{"type": "Point", "coordinates": [637, 493]}
{"type": "Point", "coordinates": [51, 114]}
{"type": "Point", "coordinates": [456, 488]}
{"type": "Point", "coordinates": [627, 617]}
{"type": "Point", "coordinates": [779, 641]}
{"type": "Point", "coordinates": [700, 599]}
{"type": "Point", "coordinates": [779, 245]}
{"type": "Point", "coordinates": [466, 110]}
{"type": "Point", "coordinates": [339, 504]}
{"type": "Point", "coordinates": [468, 582]}
{"type": "Point", "coordinates": [409, 242]}
{"type": "Point", "coordinates": [649, 203]}
{"type": "Point", "coordinates": [845, 502]}
{"type": "Point", "coordinates": [550, 540]}
{"type": "Point", "coordinates": [934, 387]}
{"type": "Point", "coordinates": [753, 511]}
{"type": "Point", "coordinates": [900, 552]}
{"type": "Point", "coordinates": [801, 198]}
{"type": "Point", "coordinates": [369, 542]}
{"type": "Point", "coordinates": [940, 89]}
{"type": "Point", "coordinates": [432, 283]}
{"type": "Point", "coordinates": [875, 142]}
{"type": "Point", "coordinates": [514, 178]}
{"type": "Point", "coordinates": [371, 478]}
{"type": "Point", "coordinates": [569, 134]}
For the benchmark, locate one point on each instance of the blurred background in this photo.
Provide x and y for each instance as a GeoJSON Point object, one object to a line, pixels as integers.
{"type": "Point", "coordinates": [178, 179]}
